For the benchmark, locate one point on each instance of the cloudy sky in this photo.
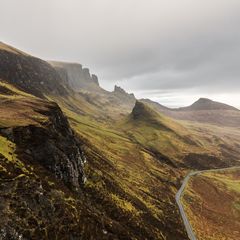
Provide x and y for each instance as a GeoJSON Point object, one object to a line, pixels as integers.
{"type": "Point", "coordinates": [172, 51]}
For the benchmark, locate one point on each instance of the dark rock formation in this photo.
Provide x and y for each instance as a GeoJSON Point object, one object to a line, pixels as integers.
{"type": "Point", "coordinates": [143, 112]}
{"type": "Point", "coordinates": [54, 146]}
{"type": "Point", "coordinates": [31, 74]}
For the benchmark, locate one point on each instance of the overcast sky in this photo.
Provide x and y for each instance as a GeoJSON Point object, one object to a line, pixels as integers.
{"type": "Point", "coordinates": [172, 51]}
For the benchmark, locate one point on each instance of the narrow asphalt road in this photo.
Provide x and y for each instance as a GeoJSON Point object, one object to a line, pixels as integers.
{"type": "Point", "coordinates": [187, 224]}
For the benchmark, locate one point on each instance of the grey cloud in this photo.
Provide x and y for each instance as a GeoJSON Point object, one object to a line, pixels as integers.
{"type": "Point", "coordinates": [175, 46]}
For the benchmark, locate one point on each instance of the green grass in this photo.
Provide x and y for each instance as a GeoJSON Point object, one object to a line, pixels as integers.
{"type": "Point", "coordinates": [161, 134]}
{"type": "Point", "coordinates": [7, 148]}
{"type": "Point", "coordinates": [124, 204]}
{"type": "Point", "coordinates": [15, 92]}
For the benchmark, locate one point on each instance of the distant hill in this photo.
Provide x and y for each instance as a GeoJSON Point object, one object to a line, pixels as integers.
{"type": "Point", "coordinates": [158, 133]}
{"type": "Point", "coordinates": [207, 104]}
{"type": "Point", "coordinates": [142, 112]}
{"type": "Point", "coordinates": [146, 115]}
{"type": "Point", "coordinates": [203, 111]}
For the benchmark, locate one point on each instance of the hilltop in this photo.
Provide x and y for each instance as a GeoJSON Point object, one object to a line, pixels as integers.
{"type": "Point", "coordinates": [207, 104]}
{"type": "Point", "coordinates": [202, 111]}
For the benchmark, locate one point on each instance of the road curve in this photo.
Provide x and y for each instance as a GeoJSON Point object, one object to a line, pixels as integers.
{"type": "Point", "coordinates": [187, 224]}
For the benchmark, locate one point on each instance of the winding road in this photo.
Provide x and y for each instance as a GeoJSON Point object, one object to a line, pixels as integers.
{"type": "Point", "coordinates": [186, 222]}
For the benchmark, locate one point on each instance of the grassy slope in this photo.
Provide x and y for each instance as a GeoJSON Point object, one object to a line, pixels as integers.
{"type": "Point", "coordinates": [19, 108]}
{"type": "Point", "coordinates": [172, 139]}
{"type": "Point", "coordinates": [212, 204]}
{"type": "Point", "coordinates": [126, 182]}
{"type": "Point", "coordinates": [33, 202]}
{"type": "Point", "coordinates": [139, 180]}
{"type": "Point", "coordinates": [19, 179]}
{"type": "Point", "coordinates": [127, 179]}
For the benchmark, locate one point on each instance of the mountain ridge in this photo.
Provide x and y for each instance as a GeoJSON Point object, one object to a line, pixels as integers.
{"type": "Point", "coordinates": [76, 76]}
{"type": "Point", "coordinates": [208, 104]}
{"type": "Point", "coordinates": [203, 111]}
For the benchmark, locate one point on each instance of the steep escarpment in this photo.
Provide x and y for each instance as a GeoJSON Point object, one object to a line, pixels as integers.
{"type": "Point", "coordinates": [54, 146]}
{"type": "Point", "coordinates": [42, 134]}
{"type": "Point", "coordinates": [122, 95]}
{"type": "Point", "coordinates": [31, 74]}
{"type": "Point", "coordinates": [78, 78]}
{"type": "Point", "coordinates": [85, 87]}
{"type": "Point", "coordinates": [41, 169]}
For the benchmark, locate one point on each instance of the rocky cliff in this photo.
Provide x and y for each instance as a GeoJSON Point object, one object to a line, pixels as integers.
{"type": "Point", "coordinates": [122, 94]}
{"type": "Point", "coordinates": [76, 76]}
{"type": "Point", "coordinates": [51, 143]}
{"type": "Point", "coordinates": [31, 74]}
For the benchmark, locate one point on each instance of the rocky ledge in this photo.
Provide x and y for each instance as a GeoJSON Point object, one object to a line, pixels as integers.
{"type": "Point", "coordinates": [53, 144]}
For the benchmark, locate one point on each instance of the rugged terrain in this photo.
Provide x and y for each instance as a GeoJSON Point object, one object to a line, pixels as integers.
{"type": "Point", "coordinates": [79, 162]}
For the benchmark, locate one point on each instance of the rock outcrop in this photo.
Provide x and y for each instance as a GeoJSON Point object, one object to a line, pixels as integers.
{"type": "Point", "coordinates": [143, 112]}
{"type": "Point", "coordinates": [95, 79]}
{"type": "Point", "coordinates": [77, 77]}
{"type": "Point", "coordinates": [123, 96]}
{"type": "Point", "coordinates": [31, 74]}
{"type": "Point", "coordinates": [53, 145]}
{"type": "Point", "coordinates": [120, 91]}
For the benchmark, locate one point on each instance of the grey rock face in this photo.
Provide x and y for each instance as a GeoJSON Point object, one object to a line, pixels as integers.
{"type": "Point", "coordinates": [123, 96]}
{"type": "Point", "coordinates": [95, 79]}
{"type": "Point", "coordinates": [77, 77]}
